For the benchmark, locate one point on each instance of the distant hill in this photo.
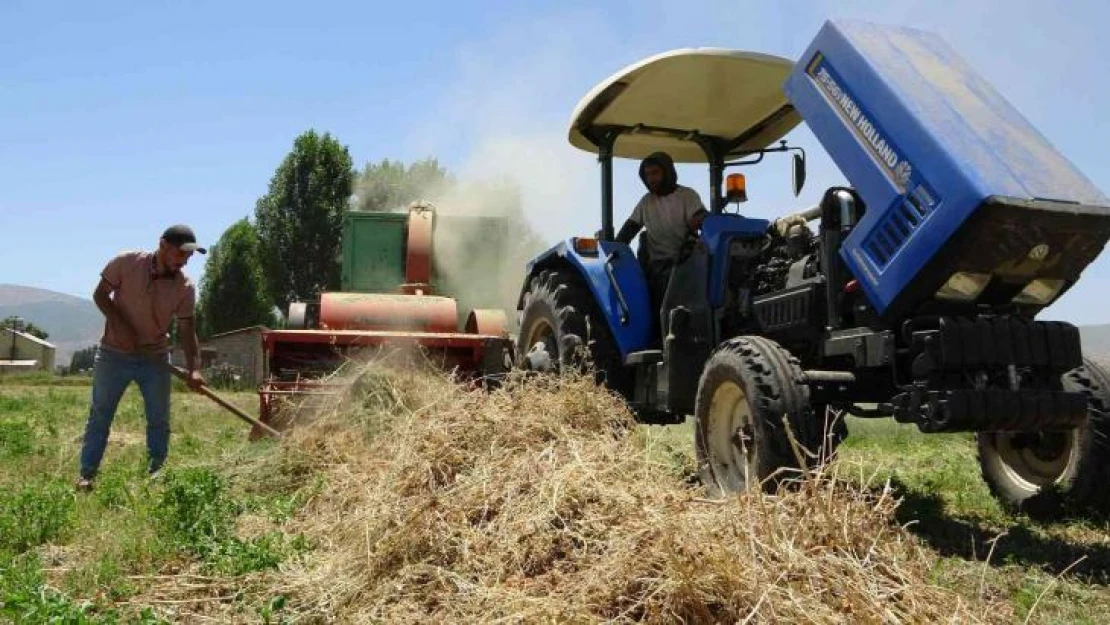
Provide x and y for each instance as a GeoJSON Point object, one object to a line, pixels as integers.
{"type": "Point", "coordinates": [73, 323]}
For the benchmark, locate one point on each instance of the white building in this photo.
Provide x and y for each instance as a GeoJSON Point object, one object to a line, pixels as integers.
{"type": "Point", "coordinates": [240, 348]}
{"type": "Point", "coordinates": [20, 351]}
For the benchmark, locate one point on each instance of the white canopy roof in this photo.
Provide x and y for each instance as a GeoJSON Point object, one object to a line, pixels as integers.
{"type": "Point", "coordinates": [717, 92]}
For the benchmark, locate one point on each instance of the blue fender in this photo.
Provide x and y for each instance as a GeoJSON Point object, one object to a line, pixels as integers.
{"type": "Point", "coordinates": [632, 331]}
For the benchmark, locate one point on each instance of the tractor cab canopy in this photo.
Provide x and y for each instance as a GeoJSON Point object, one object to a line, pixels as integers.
{"type": "Point", "coordinates": [700, 105]}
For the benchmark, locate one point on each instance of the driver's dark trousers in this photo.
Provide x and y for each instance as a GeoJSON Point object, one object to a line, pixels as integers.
{"type": "Point", "coordinates": [658, 274]}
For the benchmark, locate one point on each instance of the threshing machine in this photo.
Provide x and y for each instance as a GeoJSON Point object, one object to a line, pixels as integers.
{"type": "Point", "coordinates": [915, 298]}
{"type": "Point", "coordinates": [389, 299]}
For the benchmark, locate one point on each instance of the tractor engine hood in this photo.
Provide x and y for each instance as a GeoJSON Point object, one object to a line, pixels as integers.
{"type": "Point", "coordinates": [967, 204]}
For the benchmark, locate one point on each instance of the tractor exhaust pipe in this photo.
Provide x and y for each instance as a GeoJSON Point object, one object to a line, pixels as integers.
{"type": "Point", "coordinates": [809, 214]}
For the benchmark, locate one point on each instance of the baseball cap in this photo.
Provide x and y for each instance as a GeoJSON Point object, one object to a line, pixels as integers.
{"type": "Point", "coordinates": [182, 237]}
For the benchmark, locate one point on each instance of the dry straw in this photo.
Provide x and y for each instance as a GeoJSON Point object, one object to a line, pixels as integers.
{"type": "Point", "coordinates": [542, 501]}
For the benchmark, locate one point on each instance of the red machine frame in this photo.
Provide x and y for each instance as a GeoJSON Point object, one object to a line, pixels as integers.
{"type": "Point", "coordinates": [297, 361]}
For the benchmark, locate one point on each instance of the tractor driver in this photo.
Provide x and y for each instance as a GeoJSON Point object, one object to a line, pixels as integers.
{"type": "Point", "coordinates": [669, 213]}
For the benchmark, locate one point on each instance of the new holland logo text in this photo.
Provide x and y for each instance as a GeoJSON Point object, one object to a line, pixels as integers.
{"type": "Point", "coordinates": [899, 169]}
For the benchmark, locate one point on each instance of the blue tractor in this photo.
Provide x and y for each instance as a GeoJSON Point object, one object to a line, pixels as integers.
{"type": "Point", "coordinates": [915, 296]}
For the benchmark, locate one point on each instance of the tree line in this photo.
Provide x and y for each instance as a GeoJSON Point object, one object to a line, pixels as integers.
{"type": "Point", "coordinates": [291, 250]}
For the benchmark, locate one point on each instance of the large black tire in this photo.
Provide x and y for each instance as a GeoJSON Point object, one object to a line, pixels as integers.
{"type": "Point", "coordinates": [748, 385]}
{"type": "Point", "coordinates": [1055, 473]}
{"type": "Point", "coordinates": [560, 312]}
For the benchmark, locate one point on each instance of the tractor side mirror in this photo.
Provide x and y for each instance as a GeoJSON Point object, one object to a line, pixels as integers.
{"type": "Point", "coordinates": [799, 177]}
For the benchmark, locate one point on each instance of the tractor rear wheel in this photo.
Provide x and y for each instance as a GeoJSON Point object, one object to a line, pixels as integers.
{"type": "Point", "coordinates": [561, 328]}
{"type": "Point", "coordinates": [749, 385]}
{"type": "Point", "coordinates": [1049, 473]}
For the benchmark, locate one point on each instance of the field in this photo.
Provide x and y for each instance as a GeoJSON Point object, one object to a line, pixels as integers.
{"type": "Point", "coordinates": [412, 501]}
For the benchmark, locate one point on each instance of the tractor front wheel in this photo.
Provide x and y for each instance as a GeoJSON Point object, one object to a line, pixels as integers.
{"type": "Point", "coordinates": [750, 393]}
{"type": "Point", "coordinates": [1047, 473]}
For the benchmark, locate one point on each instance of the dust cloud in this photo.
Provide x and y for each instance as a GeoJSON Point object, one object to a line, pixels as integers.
{"type": "Point", "coordinates": [505, 120]}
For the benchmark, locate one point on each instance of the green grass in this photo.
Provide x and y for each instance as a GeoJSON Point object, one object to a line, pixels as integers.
{"type": "Point", "coordinates": [34, 513]}
{"type": "Point", "coordinates": [983, 547]}
{"type": "Point", "coordinates": [43, 378]}
{"type": "Point", "coordinates": [88, 557]}
{"type": "Point", "coordinates": [69, 557]}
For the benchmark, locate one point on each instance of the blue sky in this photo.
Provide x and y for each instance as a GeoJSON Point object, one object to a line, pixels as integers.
{"type": "Point", "coordinates": [118, 119]}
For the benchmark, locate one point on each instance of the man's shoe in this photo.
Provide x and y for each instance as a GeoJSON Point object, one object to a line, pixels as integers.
{"type": "Point", "coordinates": [84, 484]}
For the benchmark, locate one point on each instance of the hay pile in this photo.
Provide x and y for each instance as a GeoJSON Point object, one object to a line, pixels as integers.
{"type": "Point", "coordinates": [543, 501]}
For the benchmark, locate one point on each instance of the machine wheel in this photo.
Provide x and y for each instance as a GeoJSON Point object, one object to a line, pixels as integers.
{"type": "Point", "coordinates": [747, 387]}
{"type": "Point", "coordinates": [1045, 474]}
{"type": "Point", "coordinates": [561, 327]}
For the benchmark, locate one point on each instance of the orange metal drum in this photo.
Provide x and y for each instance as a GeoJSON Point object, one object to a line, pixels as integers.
{"type": "Point", "coordinates": [387, 311]}
{"type": "Point", "coordinates": [486, 321]}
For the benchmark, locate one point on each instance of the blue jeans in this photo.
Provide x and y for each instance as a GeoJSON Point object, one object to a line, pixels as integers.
{"type": "Point", "coordinates": [112, 373]}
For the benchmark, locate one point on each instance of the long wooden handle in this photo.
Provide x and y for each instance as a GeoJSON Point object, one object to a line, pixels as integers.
{"type": "Point", "coordinates": [207, 392]}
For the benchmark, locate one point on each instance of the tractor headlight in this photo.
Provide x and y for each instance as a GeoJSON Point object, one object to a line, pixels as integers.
{"type": "Point", "coordinates": [964, 286]}
{"type": "Point", "coordinates": [1039, 292]}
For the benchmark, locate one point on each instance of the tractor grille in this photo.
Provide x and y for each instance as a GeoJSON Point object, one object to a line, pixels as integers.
{"type": "Point", "coordinates": [788, 309]}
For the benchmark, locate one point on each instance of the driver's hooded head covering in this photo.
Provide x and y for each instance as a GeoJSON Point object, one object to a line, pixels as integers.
{"type": "Point", "coordinates": [666, 163]}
